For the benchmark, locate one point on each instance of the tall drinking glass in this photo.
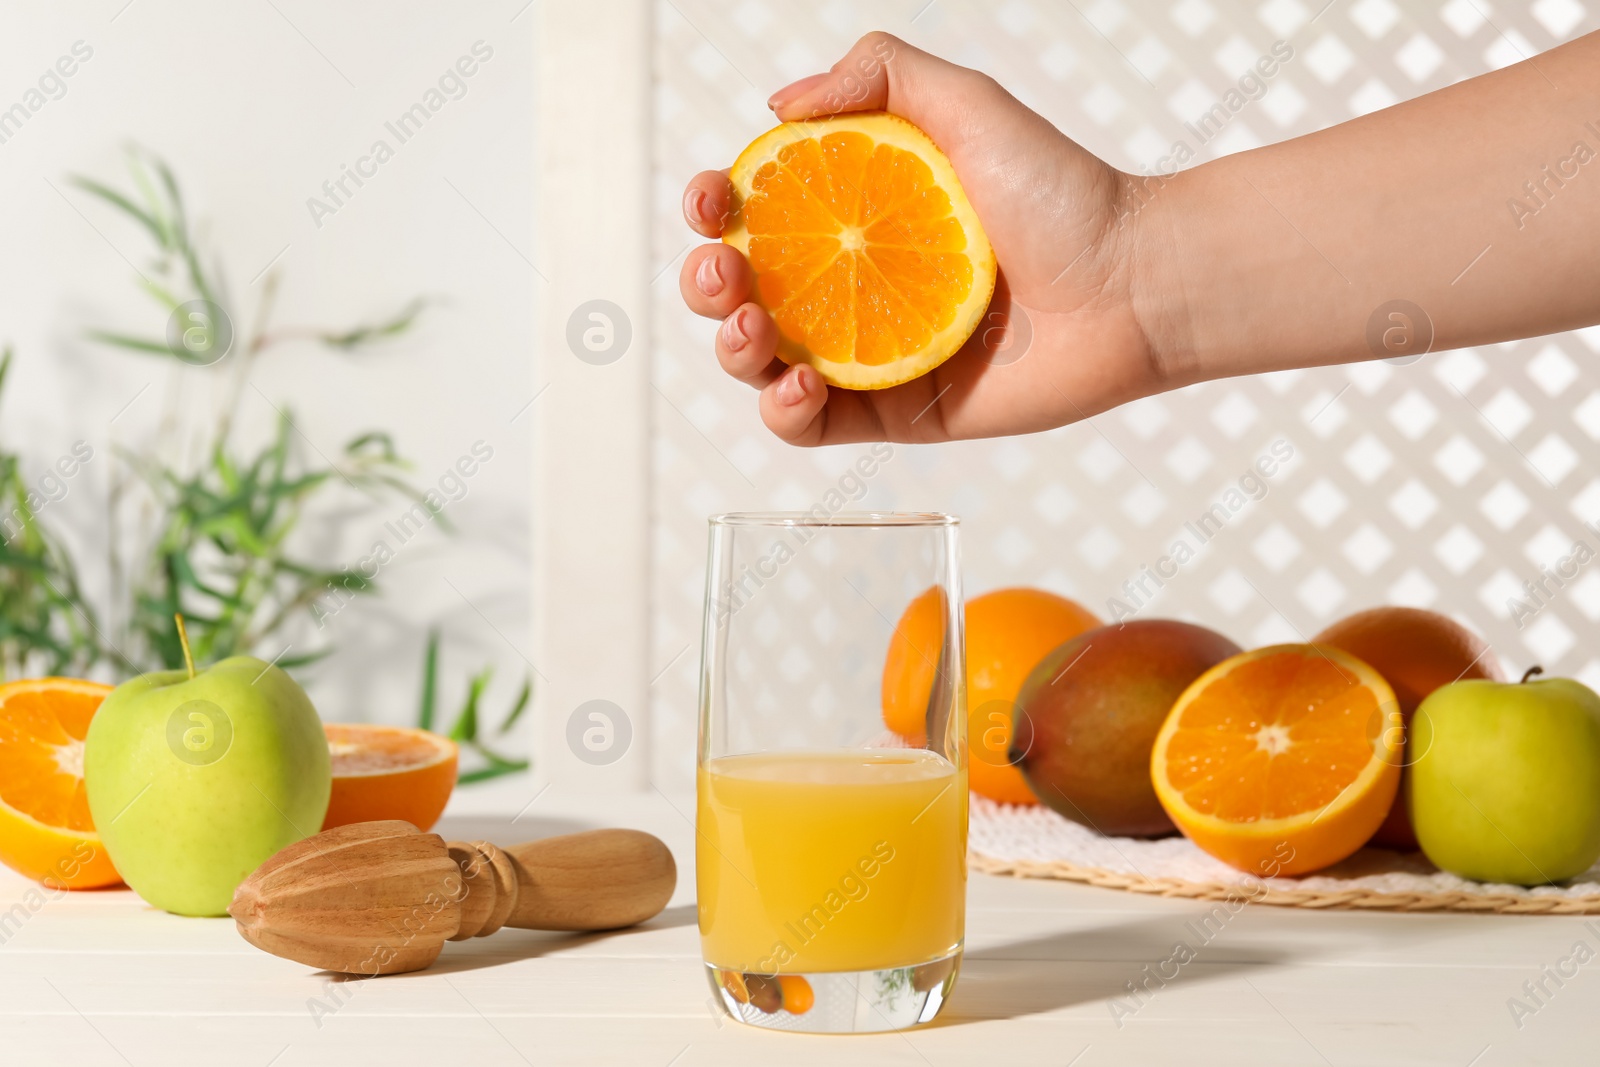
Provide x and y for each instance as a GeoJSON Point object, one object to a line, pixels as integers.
{"type": "Point", "coordinates": [830, 857]}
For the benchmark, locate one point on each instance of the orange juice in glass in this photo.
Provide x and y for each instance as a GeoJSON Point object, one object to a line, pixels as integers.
{"type": "Point", "coordinates": [830, 858]}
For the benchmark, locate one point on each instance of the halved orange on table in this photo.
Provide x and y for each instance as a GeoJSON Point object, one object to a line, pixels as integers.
{"type": "Point", "coordinates": [45, 829]}
{"type": "Point", "coordinates": [388, 772]}
{"type": "Point", "coordinates": [864, 247]}
{"type": "Point", "coordinates": [1282, 760]}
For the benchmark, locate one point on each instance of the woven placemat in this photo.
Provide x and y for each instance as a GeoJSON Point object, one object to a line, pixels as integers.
{"type": "Point", "coordinates": [1035, 842]}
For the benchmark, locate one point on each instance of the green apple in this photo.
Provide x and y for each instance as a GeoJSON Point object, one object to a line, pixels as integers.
{"type": "Point", "coordinates": [194, 779]}
{"type": "Point", "coordinates": [1505, 783]}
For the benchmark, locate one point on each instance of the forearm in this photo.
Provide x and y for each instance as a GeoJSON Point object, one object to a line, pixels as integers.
{"type": "Point", "coordinates": [1281, 257]}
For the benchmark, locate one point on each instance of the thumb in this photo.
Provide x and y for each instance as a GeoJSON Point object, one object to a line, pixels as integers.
{"type": "Point", "coordinates": [883, 73]}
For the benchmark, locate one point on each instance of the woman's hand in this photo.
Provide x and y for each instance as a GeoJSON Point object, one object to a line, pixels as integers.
{"type": "Point", "coordinates": [1466, 208]}
{"type": "Point", "coordinates": [1060, 341]}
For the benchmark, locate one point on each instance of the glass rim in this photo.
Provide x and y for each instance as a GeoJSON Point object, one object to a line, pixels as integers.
{"type": "Point", "coordinates": [862, 519]}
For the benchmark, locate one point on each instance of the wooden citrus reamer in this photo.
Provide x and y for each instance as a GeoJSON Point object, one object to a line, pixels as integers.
{"type": "Point", "coordinates": [383, 897]}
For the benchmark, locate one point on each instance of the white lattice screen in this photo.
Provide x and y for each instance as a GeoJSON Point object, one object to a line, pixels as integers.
{"type": "Point", "coordinates": [1445, 483]}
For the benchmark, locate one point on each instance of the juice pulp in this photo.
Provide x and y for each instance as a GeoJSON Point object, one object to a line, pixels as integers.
{"type": "Point", "coordinates": [847, 860]}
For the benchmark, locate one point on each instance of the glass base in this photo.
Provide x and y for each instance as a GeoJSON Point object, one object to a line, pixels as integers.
{"type": "Point", "coordinates": [838, 1002]}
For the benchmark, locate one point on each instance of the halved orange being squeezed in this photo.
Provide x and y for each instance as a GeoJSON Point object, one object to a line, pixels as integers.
{"type": "Point", "coordinates": [864, 247]}
{"type": "Point", "coordinates": [1281, 760]}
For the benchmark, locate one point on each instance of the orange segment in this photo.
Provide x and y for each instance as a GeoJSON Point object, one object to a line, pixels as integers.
{"type": "Point", "coordinates": [864, 247]}
{"type": "Point", "coordinates": [388, 772]}
{"type": "Point", "coordinates": [45, 829]}
{"type": "Point", "coordinates": [798, 996]}
{"type": "Point", "coordinates": [1281, 760]}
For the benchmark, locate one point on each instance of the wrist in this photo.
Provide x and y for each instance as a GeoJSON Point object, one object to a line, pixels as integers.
{"type": "Point", "coordinates": [1154, 258]}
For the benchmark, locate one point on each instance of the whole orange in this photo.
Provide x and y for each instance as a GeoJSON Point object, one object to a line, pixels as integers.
{"type": "Point", "coordinates": [1416, 651]}
{"type": "Point", "coordinates": [1008, 632]}
{"type": "Point", "coordinates": [908, 668]}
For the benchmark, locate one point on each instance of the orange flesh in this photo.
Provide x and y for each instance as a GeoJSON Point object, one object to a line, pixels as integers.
{"type": "Point", "coordinates": [363, 750]}
{"type": "Point", "coordinates": [843, 222]}
{"type": "Point", "coordinates": [1274, 737]}
{"type": "Point", "coordinates": [41, 754]}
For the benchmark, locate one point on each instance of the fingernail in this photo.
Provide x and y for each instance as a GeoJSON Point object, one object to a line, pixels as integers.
{"type": "Point", "coordinates": [694, 202]}
{"type": "Point", "coordinates": [708, 277]}
{"type": "Point", "coordinates": [794, 90]}
{"type": "Point", "coordinates": [791, 390]}
{"type": "Point", "coordinates": [733, 335]}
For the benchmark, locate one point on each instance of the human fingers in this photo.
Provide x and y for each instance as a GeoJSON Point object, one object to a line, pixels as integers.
{"type": "Point", "coordinates": [714, 280]}
{"type": "Point", "coordinates": [883, 73]}
{"type": "Point", "coordinates": [747, 346]}
{"type": "Point", "coordinates": [800, 408]}
{"type": "Point", "coordinates": [707, 202]}
{"type": "Point", "coordinates": [792, 405]}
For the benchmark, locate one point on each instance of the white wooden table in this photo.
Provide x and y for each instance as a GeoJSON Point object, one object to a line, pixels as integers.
{"type": "Point", "coordinates": [99, 978]}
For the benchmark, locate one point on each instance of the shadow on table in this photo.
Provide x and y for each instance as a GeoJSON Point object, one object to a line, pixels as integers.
{"type": "Point", "coordinates": [511, 945]}
{"type": "Point", "coordinates": [1084, 966]}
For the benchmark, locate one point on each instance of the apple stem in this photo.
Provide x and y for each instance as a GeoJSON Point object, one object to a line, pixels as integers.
{"type": "Point", "coordinates": [1531, 671]}
{"type": "Point", "coordinates": [183, 639]}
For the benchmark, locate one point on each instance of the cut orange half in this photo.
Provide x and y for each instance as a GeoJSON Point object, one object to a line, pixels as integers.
{"type": "Point", "coordinates": [864, 247]}
{"type": "Point", "coordinates": [1281, 760]}
{"type": "Point", "coordinates": [45, 829]}
{"type": "Point", "coordinates": [388, 772]}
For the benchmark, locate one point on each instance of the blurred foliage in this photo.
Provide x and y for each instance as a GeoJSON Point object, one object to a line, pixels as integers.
{"type": "Point", "coordinates": [218, 544]}
{"type": "Point", "coordinates": [45, 625]}
{"type": "Point", "coordinates": [465, 729]}
{"type": "Point", "coordinates": [213, 536]}
{"type": "Point", "coordinates": [220, 558]}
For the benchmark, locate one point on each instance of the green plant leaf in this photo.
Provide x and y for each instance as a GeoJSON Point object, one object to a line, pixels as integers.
{"type": "Point", "coordinates": [220, 535]}
{"type": "Point", "coordinates": [495, 758]}
{"type": "Point", "coordinates": [430, 681]}
{"type": "Point", "coordinates": [356, 336]}
{"type": "Point", "coordinates": [496, 770]}
{"type": "Point", "coordinates": [122, 203]}
{"type": "Point", "coordinates": [135, 160]}
{"type": "Point", "coordinates": [466, 725]}
{"type": "Point", "coordinates": [498, 766]}
{"type": "Point", "coordinates": [44, 626]}
{"type": "Point", "coordinates": [361, 447]}
{"type": "Point", "coordinates": [163, 295]}
{"type": "Point", "coordinates": [136, 344]}
{"type": "Point", "coordinates": [303, 660]}
{"type": "Point", "coordinates": [518, 707]}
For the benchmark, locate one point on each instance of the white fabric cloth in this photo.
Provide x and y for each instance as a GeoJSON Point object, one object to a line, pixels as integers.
{"type": "Point", "coordinates": [1037, 834]}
